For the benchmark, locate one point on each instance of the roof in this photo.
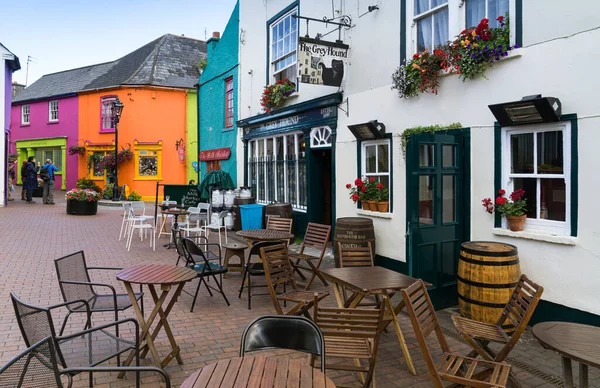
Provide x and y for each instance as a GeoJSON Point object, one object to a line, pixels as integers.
{"type": "Point", "coordinates": [13, 63]}
{"type": "Point", "coordinates": [169, 61]}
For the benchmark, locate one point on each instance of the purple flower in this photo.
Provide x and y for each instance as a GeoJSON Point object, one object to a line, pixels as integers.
{"type": "Point", "coordinates": [517, 46]}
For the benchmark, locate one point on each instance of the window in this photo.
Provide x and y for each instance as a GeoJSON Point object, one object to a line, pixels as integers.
{"type": "Point", "coordinates": [213, 165]}
{"type": "Point", "coordinates": [25, 109]}
{"type": "Point", "coordinates": [284, 44]}
{"type": "Point", "coordinates": [491, 9]}
{"type": "Point", "coordinates": [98, 171]}
{"type": "Point", "coordinates": [277, 169]}
{"type": "Point", "coordinates": [537, 159]}
{"type": "Point", "coordinates": [229, 102]}
{"type": "Point", "coordinates": [54, 154]}
{"type": "Point", "coordinates": [53, 111]}
{"type": "Point", "coordinates": [148, 160]}
{"type": "Point", "coordinates": [106, 117]}
{"type": "Point", "coordinates": [431, 20]}
{"type": "Point", "coordinates": [376, 161]}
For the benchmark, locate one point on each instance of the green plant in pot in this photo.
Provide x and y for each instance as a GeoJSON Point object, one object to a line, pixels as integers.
{"type": "Point", "coordinates": [513, 208]}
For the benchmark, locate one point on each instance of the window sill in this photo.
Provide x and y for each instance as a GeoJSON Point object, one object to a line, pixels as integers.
{"type": "Point", "coordinates": [154, 178]}
{"type": "Point", "coordinates": [511, 55]}
{"type": "Point", "coordinates": [368, 213]}
{"type": "Point", "coordinates": [25, 125]}
{"type": "Point", "coordinates": [52, 122]}
{"type": "Point", "coordinates": [107, 131]}
{"type": "Point", "coordinates": [228, 129]}
{"type": "Point", "coordinates": [554, 239]}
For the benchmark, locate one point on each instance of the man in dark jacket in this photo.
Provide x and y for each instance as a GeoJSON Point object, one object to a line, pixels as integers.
{"type": "Point", "coordinates": [23, 178]}
{"type": "Point", "coordinates": [31, 182]}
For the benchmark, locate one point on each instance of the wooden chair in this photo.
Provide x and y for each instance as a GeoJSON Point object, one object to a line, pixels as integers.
{"type": "Point", "coordinates": [454, 368]}
{"type": "Point", "coordinates": [316, 237]}
{"type": "Point", "coordinates": [515, 316]}
{"type": "Point", "coordinates": [279, 271]}
{"type": "Point", "coordinates": [351, 333]}
{"type": "Point", "coordinates": [357, 257]}
{"type": "Point", "coordinates": [279, 223]}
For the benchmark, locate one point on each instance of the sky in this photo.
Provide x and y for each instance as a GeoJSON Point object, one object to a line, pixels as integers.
{"type": "Point", "coordinates": [67, 34]}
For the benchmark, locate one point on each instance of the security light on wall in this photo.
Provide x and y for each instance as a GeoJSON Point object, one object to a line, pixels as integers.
{"type": "Point", "coordinates": [529, 110]}
{"type": "Point", "coordinates": [371, 130]}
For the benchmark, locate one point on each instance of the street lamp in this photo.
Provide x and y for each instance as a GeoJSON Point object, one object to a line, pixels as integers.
{"type": "Point", "coordinates": [117, 109]}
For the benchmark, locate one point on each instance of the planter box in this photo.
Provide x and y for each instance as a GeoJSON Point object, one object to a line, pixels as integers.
{"type": "Point", "coordinates": [82, 208]}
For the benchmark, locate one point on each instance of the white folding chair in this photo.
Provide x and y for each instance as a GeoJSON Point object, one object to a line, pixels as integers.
{"type": "Point", "coordinates": [197, 216]}
{"type": "Point", "coordinates": [125, 221]}
{"type": "Point", "coordinates": [218, 225]}
{"type": "Point", "coordinates": [140, 224]}
{"type": "Point", "coordinates": [164, 218]}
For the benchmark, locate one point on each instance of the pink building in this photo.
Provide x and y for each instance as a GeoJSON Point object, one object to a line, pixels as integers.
{"type": "Point", "coordinates": [9, 63]}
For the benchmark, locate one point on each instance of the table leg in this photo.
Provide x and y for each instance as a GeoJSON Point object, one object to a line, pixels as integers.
{"type": "Point", "coordinates": [583, 376]}
{"type": "Point", "coordinates": [337, 291]}
{"type": "Point", "coordinates": [567, 372]}
{"type": "Point", "coordinates": [394, 311]}
{"type": "Point", "coordinates": [165, 323]}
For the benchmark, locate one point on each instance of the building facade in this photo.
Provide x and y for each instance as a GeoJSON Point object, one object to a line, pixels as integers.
{"type": "Point", "coordinates": [9, 63]}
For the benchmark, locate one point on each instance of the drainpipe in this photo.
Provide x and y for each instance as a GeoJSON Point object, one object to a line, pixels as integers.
{"type": "Point", "coordinates": [197, 86]}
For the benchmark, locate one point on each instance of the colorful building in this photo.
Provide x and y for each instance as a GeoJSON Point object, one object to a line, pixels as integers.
{"type": "Point", "coordinates": [9, 63]}
{"type": "Point", "coordinates": [217, 101]}
{"type": "Point", "coordinates": [74, 108]}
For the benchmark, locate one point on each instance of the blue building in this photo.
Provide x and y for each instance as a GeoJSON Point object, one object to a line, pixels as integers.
{"type": "Point", "coordinates": [218, 101]}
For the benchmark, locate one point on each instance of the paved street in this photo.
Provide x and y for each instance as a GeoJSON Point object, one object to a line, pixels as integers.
{"type": "Point", "coordinates": [32, 236]}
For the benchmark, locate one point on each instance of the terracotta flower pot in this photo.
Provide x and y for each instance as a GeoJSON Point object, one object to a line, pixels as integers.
{"type": "Point", "coordinates": [383, 206]}
{"type": "Point", "coordinates": [371, 205]}
{"type": "Point", "coordinates": [516, 223]}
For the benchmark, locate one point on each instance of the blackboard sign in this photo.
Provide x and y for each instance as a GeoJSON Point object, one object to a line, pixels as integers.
{"type": "Point", "coordinates": [189, 194]}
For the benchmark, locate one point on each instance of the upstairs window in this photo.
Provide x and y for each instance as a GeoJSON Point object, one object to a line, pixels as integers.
{"type": "Point", "coordinates": [25, 109]}
{"type": "Point", "coordinates": [229, 102]}
{"type": "Point", "coordinates": [284, 46]}
{"type": "Point", "coordinates": [106, 117]}
{"type": "Point", "coordinates": [491, 9]}
{"type": "Point", "coordinates": [431, 21]}
{"type": "Point", "coordinates": [53, 111]}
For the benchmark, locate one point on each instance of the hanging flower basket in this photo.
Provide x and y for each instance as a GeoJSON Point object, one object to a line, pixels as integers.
{"type": "Point", "coordinates": [274, 95]}
{"type": "Point", "coordinates": [77, 150]}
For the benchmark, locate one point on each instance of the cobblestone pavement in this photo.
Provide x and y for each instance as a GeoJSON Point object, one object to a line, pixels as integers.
{"type": "Point", "coordinates": [32, 236]}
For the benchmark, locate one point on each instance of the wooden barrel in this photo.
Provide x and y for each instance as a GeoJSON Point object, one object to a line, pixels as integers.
{"type": "Point", "coordinates": [237, 219]}
{"type": "Point", "coordinates": [277, 209]}
{"type": "Point", "coordinates": [353, 232]}
{"type": "Point", "coordinates": [487, 274]}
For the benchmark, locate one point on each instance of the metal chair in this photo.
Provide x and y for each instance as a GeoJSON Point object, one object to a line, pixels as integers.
{"type": "Point", "coordinates": [283, 332]}
{"type": "Point", "coordinates": [86, 348]}
{"type": "Point", "coordinates": [204, 269]}
{"type": "Point", "coordinates": [316, 237]}
{"type": "Point", "coordinates": [218, 225]}
{"type": "Point", "coordinates": [453, 368]}
{"type": "Point", "coordinates": [37, 366]}
{"type": "Point", "coordinates": [74, 282]}
{"type": "Point", "coordinates": [198, 214]}
{"type": "Point", "coordinates": [137, 223]}
{"type": "Point", "coordinates": [254, 269]}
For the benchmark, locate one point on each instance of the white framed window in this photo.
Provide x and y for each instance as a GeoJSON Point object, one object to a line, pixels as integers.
{"type": "Point", "coordinates": [25, 117]}
{"type": "Point", "coordinates": [53, 111]}
{"type": "Point", "coordinates": [283, 38]}
{"type": "Point", "coordinates": [537, 159]}
{"type": "Point", "coordinates": [376, 161]}
{"type": "Point", "coordinates": [277, 169]}
{"type": "Point", "coordinates": [491, 9]}
{"type": "Point", "coordinates": [107, 123]}
{"type": "Point", "coordinates": [431, 22]}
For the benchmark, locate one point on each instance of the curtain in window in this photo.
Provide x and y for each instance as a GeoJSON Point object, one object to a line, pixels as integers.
{"type": "Point", "coordinates": [496, 8]}
{"type": "Point", "coordinates": [424, 34]}
{"type": "Point", "coordinates": [440, 27]}
{"type": "Point", "coordinates": [421, 6]}
{"type": "Point", "coordinates": [475, 12]}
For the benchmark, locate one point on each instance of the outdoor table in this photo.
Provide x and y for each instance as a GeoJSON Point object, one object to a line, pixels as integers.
{"type": "Point", "coordinates": [152, 275]}
{"type": "Point", "coordinates": [365, 281]}
{"type": "Point", "coordinates": [251, 235]}
{"type": "Point", "coordinates": [259, 372]}
{"type": "Point", "coordinates": [573, 341]}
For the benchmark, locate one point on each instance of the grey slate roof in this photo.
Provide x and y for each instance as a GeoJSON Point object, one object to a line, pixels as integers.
{"type": "Point", "coordinates": [169, 61]}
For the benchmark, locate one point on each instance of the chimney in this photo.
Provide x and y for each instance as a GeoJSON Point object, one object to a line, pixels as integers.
{"type": "Point", "coordinates": [216, 35]}
{"type": "Point", "coordinates": [212, 42]}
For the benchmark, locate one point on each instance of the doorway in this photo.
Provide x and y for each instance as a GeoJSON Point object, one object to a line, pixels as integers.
{"type": "Point", "coordinates": [321, 194]}
{"type": "Point", "coordinates": [438, 203]}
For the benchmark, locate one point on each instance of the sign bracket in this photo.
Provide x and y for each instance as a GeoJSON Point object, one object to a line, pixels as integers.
{"type": "Point", "coordinates": [347, 110]}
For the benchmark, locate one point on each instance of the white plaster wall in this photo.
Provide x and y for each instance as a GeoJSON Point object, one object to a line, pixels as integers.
{"type": "Point", "coordinates": [3, 120]}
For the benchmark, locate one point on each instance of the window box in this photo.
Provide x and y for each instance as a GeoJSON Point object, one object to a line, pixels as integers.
{"type": "Point", "coordinates": [368, 213]}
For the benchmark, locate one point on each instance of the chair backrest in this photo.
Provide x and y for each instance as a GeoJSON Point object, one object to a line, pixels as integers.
{"type": "Point", "coordinates": [255, 250]}
{"type": "Point", "coordinates": [139, 205]}
{"type": "Point", "coordinates": [518, 311]}
{"type": "Point", "coordinates": [424, 321]}
{"type": "Point", "coordinates": [34, 322]}
{"type": "Point", "coordinates": [283, 332]}
{"type": "Point", "coordinates": [355, 256]}
{"type": "Point", "coordinates": [278, 268]}
{"type": "Point", "coordinates": [204, 206]}
{"type": "Point", "coordinates": [193, 251]}
{"type": "Point", "coordinates": [126, 207]}
{"type": "Point", "coordinates": [73, 268]}
{"type": "Point", "coordinates": [316, 236]}
{"type": "Point", "coordinates": [279, 223]}
{"type": "Point", "coordinates": [178, 240]}
{"type": "Point", "coordinates": [34, 367]}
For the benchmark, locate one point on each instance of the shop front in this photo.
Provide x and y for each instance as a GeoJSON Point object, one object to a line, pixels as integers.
{"type": "Point", "coordinates": [289, 157]}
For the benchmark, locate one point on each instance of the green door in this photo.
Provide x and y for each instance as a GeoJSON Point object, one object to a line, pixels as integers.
{"type": "Point", "coordinates": [437, 211]}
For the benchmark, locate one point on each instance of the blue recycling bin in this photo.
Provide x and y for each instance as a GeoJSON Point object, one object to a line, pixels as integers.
{"type": "Point", "coordinates": [252, 216]}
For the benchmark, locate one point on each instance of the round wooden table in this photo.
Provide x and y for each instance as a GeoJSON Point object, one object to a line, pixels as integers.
{"type": "Point", "coordinates": [264, 235]}
{"type": "Point", "coordinates": [175, 212]}
{"type": "Point", "coordinates": [165, 276]}
{"type": "Point", "coordinates": [258, 372]}
{"type": "Point", "coordinates": [573, 341]}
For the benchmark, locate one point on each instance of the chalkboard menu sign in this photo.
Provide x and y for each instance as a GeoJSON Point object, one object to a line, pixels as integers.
{"type": "Point", "coordinates": [189, 193]}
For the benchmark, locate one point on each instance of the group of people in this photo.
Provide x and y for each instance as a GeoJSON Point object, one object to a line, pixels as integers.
{"type": "Point", "coordinates": [29, 177]}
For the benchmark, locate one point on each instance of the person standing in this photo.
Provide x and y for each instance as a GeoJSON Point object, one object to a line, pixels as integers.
{"type": "Point", "coordinates": [47, 174]}
{"type": "Point", "coordinates": [11, 176]}
{"type": "Point", "coordinates": [31, 182]}
{"type": "Point", "coordinates": [23, 178]}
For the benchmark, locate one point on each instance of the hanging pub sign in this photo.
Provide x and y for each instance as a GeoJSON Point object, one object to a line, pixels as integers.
{"type": "Point", "coordinates": [214, 154]}
{"type": "Point", "coordinates": [321, 62]}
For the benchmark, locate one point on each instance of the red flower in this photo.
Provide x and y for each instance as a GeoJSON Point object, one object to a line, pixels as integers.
{"type": "Point", "coordinates": [371, 179]}
{"type": "Point", "coordinates": [501, 191]}
{"type": "Point", "coordinates": [348, 185]}
{"type": "Point", "coordinates": [358, 182]}
{"type": "Point", "coordinates": [355, 197]}
{"type": "Point", "coordinates": [500, 201]}
{"type": "Point", "coordinates": [517, 195]}
{"type": "Point", "coordinates": [279, 82]}
{"type": "Point", "coordinates": [380, 186]}
{"type": "Point", "coordinates": [363, 189]}
{"type": "Point", "coordinates": [500, 19]}
{"type": "Point", "coordinates": [416, 56]}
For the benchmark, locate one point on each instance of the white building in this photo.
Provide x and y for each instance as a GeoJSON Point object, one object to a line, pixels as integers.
{"type": "Point", "coordinates": [421, 234]}
{"type": "Point", "coordinates": [9, 63]}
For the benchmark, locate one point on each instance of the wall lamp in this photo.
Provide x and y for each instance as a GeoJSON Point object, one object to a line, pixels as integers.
{"type": "Point", "coordinates": [532, 109]}
{"type": "Point", "coordinates": [179, 143]}
{"type": "Point", "coordinates": [371, 130]}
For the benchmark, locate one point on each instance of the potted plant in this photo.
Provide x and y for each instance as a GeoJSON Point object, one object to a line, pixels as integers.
{"type": "Point", "coordinates": [366, 191]}
{"type": "Point", "coordinates": [513, 208]}
{"type": "Point", "coordinates": [82, 201]}
{"type": "Point", "coordinates": [383, 204]}
{"type": "Point", "coordinates": [274, 95]}
{"type": "Point", "coordinates": [77, 150]}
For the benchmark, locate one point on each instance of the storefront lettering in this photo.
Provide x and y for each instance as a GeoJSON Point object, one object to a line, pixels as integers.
{"type": "Point", "coordinates": [216, 154]}
{"type": "Point", "coordinates": [323, 50]}
{"type": "Point", "coordinates": [283, 122]}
